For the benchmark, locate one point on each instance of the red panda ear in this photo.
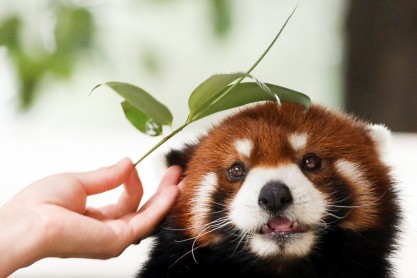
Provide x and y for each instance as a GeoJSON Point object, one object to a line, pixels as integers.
{"type": "Point", "coordinates": [381, 136]}
{"type": "Point", "coordinates": [181, 157]}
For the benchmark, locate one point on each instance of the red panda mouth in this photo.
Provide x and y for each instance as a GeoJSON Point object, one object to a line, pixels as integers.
{"type": "Point", "coordinates": [281, 226]}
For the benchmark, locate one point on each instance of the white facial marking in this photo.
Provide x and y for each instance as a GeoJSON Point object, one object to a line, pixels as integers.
{"type": "Point", "coordinates": [308, 208]}
{"type": "Point", "coordinates": [350, 171]}
{"type": "Point", "coordinates": [363, 192]}
{"type": "Point", "coordinates": [244, 147]}
{"type": "Point", "coordinates": [298, 141]}
{"type": "Point", "coordinates": [302, 246]}
{"type": "Point", "coordinates": [263, 247]}
{"type": "Point", "coordinates": [202, 201]}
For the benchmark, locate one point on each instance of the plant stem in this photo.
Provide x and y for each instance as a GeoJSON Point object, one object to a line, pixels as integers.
{"type": "Point", "coordinates": [252, 67]}
{"type": "Point", "coordinates": [162, 141]}
{"type": "Point", "coordinates": [269, 46]}
{"type": "Point", "coordinates": [192, 118]}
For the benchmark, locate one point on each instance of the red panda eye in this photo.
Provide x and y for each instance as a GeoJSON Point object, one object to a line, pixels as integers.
{"type": "Point", "coordinates": [236, 172]}
{"type": "Point", "coordinates": [311, 162]}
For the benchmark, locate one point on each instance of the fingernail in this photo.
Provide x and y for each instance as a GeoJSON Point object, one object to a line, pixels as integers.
{"type": "Point", "coordinates": [127, 159]}
{"type": "Point", "coordinates": [174, 170]}
{"type": "Point", "coordinates": [181, 185]}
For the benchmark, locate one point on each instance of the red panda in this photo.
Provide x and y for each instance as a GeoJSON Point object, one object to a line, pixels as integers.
{"type": "Point", "coordinates": [281, 191]}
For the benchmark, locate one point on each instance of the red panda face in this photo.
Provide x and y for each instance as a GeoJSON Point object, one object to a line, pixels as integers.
{"type": "Point", "coordinates": [272, 180]}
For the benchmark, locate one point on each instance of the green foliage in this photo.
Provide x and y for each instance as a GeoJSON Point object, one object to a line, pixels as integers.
{"type": "Point", "coordinates": [141, 109]}
{"type": "Point", "coordinates": [140, 120]}
{"type": "Point", "coordinates": [218, 93]}
{"type": "Point", "coordinates": [250, 92]}
{"type": "Point", "coordinates": [73, 36]}
{"type": "Point", "coordinates": [210, 90]}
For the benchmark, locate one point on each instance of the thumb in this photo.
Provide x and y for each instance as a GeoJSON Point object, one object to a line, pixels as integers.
{"type": "Point", "coordinates": [145, 221]}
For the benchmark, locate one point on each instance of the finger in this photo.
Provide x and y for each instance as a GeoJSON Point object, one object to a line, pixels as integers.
{"type": "Point", "coordinates": [106, 178]}
{"type": "Point", "coordinates": [111, 211]}
{"type": "Point", "coordinates": [181, 185]}
{"type": "Point", "coordinates": [85, 237]}
{"type": "Point", "coordinates": [130, 198]}
{"type": "Point", "coordinates": [94, 213]}
{"type": "Point", "coordinates": [172, 177]}
{"type": "Point", "coordinates": [144, 222]}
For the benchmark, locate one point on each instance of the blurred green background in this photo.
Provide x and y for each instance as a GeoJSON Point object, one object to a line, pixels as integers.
{"type": "Point", "coordinates": [64, 36]}
{"type": "Point", "coordinates": [55, 41]}
{"type": "Point", "coordinates": [351, 54]}
{"type": "Point", "coordinates": [57, 51]}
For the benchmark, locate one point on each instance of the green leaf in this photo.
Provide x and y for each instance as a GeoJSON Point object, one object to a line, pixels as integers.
{"type": "Point", "coordinates": [209, 90]}
{"type": "Point", "coordinates": [143, 102]}
{"type": "Point", "coordinates": [213, 89]}
{"type": "Point", "coordinates": [250, 92]}
{"type": "Point", "coordinates": [140, 120]}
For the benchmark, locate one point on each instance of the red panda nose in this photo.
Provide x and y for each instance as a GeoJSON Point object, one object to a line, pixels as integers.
{"type": "Point", "coordinates": [274, 197]}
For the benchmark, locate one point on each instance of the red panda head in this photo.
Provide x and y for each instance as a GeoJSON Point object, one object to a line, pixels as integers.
{"type": "Point", "coordinates": [272, 180]}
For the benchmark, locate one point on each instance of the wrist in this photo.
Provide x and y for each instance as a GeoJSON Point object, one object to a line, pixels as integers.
{"type": "Point", "coordinates": [20, 239]}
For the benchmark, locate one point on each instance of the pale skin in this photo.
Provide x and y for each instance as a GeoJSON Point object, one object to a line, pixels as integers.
{"type": "Point", "coordinates": [49, 218]}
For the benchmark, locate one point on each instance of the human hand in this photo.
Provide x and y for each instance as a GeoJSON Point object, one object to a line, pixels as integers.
{"type": "Point", "coordinates": [49, 218]}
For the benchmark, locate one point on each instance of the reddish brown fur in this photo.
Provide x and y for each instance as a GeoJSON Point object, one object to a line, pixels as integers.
{"type": "Point", "coordinates": [330, 135]}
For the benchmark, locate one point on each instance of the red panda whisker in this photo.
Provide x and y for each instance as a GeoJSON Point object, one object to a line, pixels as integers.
{"type": "Point", "coordinates": [219, 204]}
{"type": "Point", "coordinates": [341, 200]}
{"type": "Point", "coordinates": [335, 216]}
{"type": "Point", "coordinates": [242, 237]}
{"type": "Point", "coordinates": [331, 205]}
{"type": "Point", "coordinates": [175, 229]}
{"type": "Point", "coordinates": [349, 207]}
{"type": "Point", "coordinates": [226, 222]}
{"type": "Point", "coordinates": [183, 256]}
{"type": "Point", "coordinates": [358, 206]}
{"type": "Point", "coordinates": [184, 229]}
{"type": "Point", "coordinates": [325, 226]}
{"type": "Point", "coordinates": [215, 227]}
{"type": "Point", "coordinates": [193, 213]}
{"type": "Point", "coordinates": [217, 221]}
{"type": "Point", "coordinates": [184, 240]}
{"type": "Point", "coordinates": [376, 201]}
{"type": "Point", "coordinates": [219, 211]}
{"type": "Point", "coordinates": [331, 194]}
{"type": "Point", "coordinates": [187, 229]}
{"type": "Point", "coordinates": [193, 228]}
{"type": "Point", "coordinates": [221, 221]}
